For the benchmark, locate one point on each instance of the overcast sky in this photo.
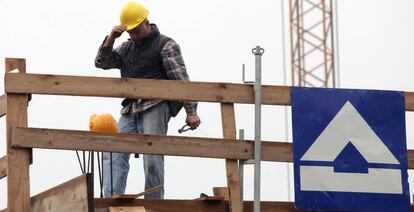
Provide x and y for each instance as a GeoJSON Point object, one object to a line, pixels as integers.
{"type": "Point", "coordinates": [216, 38]}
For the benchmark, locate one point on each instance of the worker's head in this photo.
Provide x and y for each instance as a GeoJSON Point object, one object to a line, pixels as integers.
{"type": "Point", "coordinates": [134, 18]}
{"type": "Point", "coordinates": [102, 123]}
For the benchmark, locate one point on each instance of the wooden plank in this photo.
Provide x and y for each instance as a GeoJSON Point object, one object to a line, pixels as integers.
{"type": "Point", "coordinates": [133, 143]}
{"type": "Point", "coordinates": [142, 88]}
{"type": "Point", "coordinates": [228, 121]}
{"type": "Point", "coordinates": [190, 205]}
{"type": "Point", "coordinates": [151, 89]}
{"type": "Point", "coordinates": [221, 192]}
{"type": "Point", "coordinates": [18, 187]}
{"type": "Point", "coordinates": [15, 63]}
{"type": "Point", "coordinates": [211, 198]}
{"type": "Point", "coordinates": [409, 101]}
{"type": "Point", "coordinates": [134, 196]}
{"type": "Point", "coordinates": [74, 195]}
{"type": "Point", "coordinates": [18, 177]}
{"type": "Point", "coordinates": [3, 167]}
{"type": "Point", "coordinates": [152, 144]}
{"type": "Point", "coordinates": [127, 209]}
{"type": "Point", "coordinates": [101, 205]}
{"type": "Point", "coordinates": [3, 105]}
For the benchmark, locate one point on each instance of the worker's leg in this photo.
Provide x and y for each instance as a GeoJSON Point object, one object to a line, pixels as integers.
{"type": "Point", "coordinates": [120, 161]}
{"type": "Point", "coordinates": [155, 122]}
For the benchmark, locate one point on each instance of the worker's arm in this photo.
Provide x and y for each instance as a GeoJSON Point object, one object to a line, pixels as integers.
{"type": "Point", "coordinates": [107, 57]}
{"type": "Point", "coordinates": [174, 66]}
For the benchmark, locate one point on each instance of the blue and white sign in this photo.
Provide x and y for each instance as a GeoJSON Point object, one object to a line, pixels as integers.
{"type": "Point", "coordinates": [350, 150]}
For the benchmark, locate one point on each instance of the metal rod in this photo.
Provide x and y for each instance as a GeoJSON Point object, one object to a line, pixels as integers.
{"type": "Point", "coordinates": [335, 45]}
{"type": "Point", "coordinates": [100, 175]}
{"type": "Point", "coordinates": [88, 170]}
{"type": "Point", "coordinates": [282, 6]}
{"type": "Point", "coordinates": [80, 163]}
{"type": "Point", "coordinates": [244, 76]}
{"type": "Point", "coordinates": [325, 39]}
{"type": "Point", "coordinates": [84, 162]}
{"type": "Point", "coordinates": [258, 52]}
{"type": "Point", "coordinates": [292, 46]}
{"type": "Point", "coordinates": [243, 73]}
{"type": "Point", "coordinates": [93, 173]}
{"type": "Point", "coordinates": [241, 170]}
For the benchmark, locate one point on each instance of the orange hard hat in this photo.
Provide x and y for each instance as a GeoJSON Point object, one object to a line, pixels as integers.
{"type": "Point", "coordinates": [102, 123]}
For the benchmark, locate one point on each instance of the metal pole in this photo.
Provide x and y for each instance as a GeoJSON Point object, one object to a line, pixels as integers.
{"type": "Point", "coordinates": [258, 52]}
{"type": "Point", "coordinates": [241, 168]}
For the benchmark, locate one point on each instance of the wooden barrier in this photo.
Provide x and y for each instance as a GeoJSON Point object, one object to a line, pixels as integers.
{"type": "Point", "coordinates": [19, 137]}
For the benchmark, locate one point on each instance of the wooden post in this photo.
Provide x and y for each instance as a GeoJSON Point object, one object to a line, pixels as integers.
{"type": "Point", "coordinates": [2, 105]}
{"type": "Point", "coordinates": [18, 187]}
{"type": "Point", "coordinates": [221, 192]}
{"type": "Point", "coordinates": [3, 167]}
{"type": "Point", "coordinates": [228, 120]}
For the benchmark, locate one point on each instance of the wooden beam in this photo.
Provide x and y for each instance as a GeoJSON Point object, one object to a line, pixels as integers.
{"type": "Point", "coordinates": [151, 89]}
{"type": "Point", "coordinates": [153, 144]}
{"type": "Point", "coordinates": [409, 101]}
{"type": "Point", "coordinates": [134, 196]}
{"type": "Point", "coordinates": [127, 209]}
{"type": "Point", "coordinates": [18, 177]}
{"type": "Point", "coordinates": [228, 121]}
{"type": "Point", "coordinates": [73, 195]}
{"type": "Point", "coordinates": [199, 206]}
{"type": "Point", "coordinates": [18, 160]}
{"type": "Point", "coordinates": [3, 167]}
{"type": "Point", "coordinates": [15, 63]}
{"type": "Point", "coordinates": [221, 192]}
{"type": "Point", "coordinates": [191, 205]}
{"type": "Point", "coordinates": [147, 144]}
{"type": "Point", "coordinates": [3, 105]}
{"type": "Point", "coordinates": [142, 88]}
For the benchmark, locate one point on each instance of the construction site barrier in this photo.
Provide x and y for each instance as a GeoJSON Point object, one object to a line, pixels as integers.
{"type": "Point", "coordinates": [21, 139]}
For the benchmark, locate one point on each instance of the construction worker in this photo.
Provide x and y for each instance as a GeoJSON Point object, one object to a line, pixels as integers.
{"type": "Point", "coordinates": [151, 55]}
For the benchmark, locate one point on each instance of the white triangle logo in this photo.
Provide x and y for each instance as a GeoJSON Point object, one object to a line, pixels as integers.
{"type": "Point", "coordinates": [349, 126]}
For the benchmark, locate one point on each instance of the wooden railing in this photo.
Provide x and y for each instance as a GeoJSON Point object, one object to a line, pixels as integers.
{"type": "Point", "coordinates": [20, 138]}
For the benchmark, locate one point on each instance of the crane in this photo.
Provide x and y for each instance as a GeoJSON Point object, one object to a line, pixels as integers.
{"type": "Point", "coordinates": [312, 43]}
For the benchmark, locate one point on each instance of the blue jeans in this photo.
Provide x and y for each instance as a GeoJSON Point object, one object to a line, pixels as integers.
{"type": "Point", "coordinates": [153, 121]}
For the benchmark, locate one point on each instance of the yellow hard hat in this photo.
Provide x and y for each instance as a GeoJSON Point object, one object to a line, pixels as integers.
{"type": "Point", "coordinates": [133, 14]}
{"type": "Point", "coordinates": [102, 123]}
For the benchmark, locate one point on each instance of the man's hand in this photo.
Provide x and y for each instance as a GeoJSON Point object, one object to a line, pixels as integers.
{"type": "Point", "coordinates": [115, 33]}
{"type": "Point", "coordinates": [193, 121]}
